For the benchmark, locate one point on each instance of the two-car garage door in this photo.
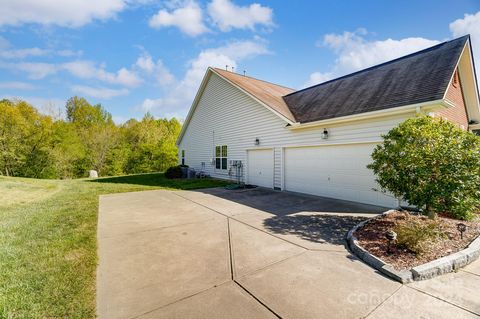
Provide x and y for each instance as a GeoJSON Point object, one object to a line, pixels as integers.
{"type": "Point", "coordinates": [337, 171]}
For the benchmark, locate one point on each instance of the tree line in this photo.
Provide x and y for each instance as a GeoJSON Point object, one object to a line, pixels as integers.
{"type": "Point", "coordinates": [36, 145]}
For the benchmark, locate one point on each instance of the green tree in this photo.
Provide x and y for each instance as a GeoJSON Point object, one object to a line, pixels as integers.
{"type": "Point", "coordinates": [67, 149]}
{"type": "Point", "coordinates": [96, 129]}
{"type": "Point", "coordinates": [152, 144]}
{"type": "Point", "coordinates": [25, 137]}
{"type": "Point", "coordinates": [36, 145]}
{"type": "Point", "coordinates": [433, 164]}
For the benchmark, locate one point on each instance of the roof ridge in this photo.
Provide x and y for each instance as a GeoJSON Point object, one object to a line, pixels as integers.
{"type": "Point", "coordinates": [465, 37]}
{"type": "Point", "coordinates": [253, 78]}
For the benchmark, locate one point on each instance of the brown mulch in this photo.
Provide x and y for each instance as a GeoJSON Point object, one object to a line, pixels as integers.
{"type": "Point", "coordinates": [372, 238]}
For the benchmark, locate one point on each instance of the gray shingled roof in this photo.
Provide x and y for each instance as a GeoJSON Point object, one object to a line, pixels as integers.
{"type": "Point", "coordinates": [419, 77]}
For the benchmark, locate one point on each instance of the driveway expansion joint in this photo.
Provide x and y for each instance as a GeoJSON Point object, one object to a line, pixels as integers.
{"type": "Point", "coordinates": [180, 299]}
{"type": "Point", "coordinates": [257, 299]}
{"type": "Point", "coordinates": [242, 222]}
{"type": "Point", "coordinates": [443, 300]}
{"type": "Point", "coordinates": [230, 250]}
{"type": "Point", "coordinates": [469, 272]}
{"type": "Point", "coordinates": [378, 306]}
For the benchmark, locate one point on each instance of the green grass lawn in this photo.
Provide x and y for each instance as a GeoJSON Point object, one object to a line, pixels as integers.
{"type": "Point", "coordinates": [48, 248]}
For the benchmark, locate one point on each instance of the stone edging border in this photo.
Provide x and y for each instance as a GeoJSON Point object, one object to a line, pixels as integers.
{"type": "Point", "coordinates": [429, 270]}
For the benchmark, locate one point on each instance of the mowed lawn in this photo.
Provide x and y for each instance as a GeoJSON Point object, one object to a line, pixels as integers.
{"type": "Point", "coordinates": [48, 248]}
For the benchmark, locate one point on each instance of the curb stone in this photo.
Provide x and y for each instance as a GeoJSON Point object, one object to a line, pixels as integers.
{"type": "Point", "coordinates": [428, 270]}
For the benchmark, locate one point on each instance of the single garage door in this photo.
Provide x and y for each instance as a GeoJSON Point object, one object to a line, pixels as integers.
{"type": "Point", "coordinates": [337, 171]}
{"type": "Point", "coordinates": [260, 167]}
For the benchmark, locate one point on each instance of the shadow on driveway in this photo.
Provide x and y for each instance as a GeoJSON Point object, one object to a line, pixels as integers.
{"type": "Point", "coordinates": [330, 229]}
{"type": "Point", "coordinates": [312, 218]}
{"type": "Point", "coordinates": [282, 203]}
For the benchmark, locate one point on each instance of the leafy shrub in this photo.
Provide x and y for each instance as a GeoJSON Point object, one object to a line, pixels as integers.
{"type": "Point", "coordinates": [432, 164]}
{"type": "Point", "coordinates": [416, 235]}
{"type": "Point", "coordinates": [174, 172]}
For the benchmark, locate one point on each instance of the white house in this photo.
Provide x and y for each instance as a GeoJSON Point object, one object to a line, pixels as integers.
{"type": "Point", "coordinates": [318, 140]}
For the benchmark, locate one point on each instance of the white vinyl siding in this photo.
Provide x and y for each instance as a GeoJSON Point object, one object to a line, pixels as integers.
{"type": "Point", "coordinates": [225, 115]}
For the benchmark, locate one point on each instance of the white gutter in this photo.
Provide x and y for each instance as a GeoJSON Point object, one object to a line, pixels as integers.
{"type": "Point", "coordinates": [418, 108]}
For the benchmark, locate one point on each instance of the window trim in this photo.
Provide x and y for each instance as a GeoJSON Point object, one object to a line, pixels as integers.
{"type": "Point", "coordinates": [221, 156]}
{"type": "Point", "coordinates": [183, 157]}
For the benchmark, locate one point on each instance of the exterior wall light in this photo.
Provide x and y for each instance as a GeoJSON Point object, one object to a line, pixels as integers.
{"type": "Point", "coordinates": [325, 134]}
{"type": "Point", "coordinates": [257, 141]}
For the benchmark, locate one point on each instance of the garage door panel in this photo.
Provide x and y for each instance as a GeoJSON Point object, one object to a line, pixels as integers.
{"type": "Point", "coordinates": [334, 171]}
{"type": "Point", "coordinates": [260, 167]}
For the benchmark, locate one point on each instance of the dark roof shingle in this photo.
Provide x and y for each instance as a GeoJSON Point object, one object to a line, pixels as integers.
{"type": "Point", "coordinates": [419, 77]}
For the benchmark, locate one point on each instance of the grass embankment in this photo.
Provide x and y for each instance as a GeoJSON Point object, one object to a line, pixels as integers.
{"type": "Point", "coordinates": [48, 248]}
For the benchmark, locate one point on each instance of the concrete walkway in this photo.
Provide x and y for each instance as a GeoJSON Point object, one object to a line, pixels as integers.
{"type": "Point", "coordinates": [253, 254]}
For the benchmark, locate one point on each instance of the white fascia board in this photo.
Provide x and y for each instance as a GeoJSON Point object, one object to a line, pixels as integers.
{"type": "Point", "coordinates": [194, 105]}
{"type": "Point", "coordinates": [424, 107]}
{"type": "Point", "coordinates": [455, 69]}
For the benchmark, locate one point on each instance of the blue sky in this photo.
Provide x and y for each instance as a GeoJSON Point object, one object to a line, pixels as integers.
{"type": "Point", "coordinates": [134, 56]}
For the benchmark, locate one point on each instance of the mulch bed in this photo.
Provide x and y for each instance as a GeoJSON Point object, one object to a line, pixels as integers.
{"type": "Point", "coordinates": [372, 238]}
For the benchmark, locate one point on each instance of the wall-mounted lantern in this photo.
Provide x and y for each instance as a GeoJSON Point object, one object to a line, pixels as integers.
{"type": "Point", "coordinates": [257, 141]}
{"type": "Point", "coordinates": [325, 134]}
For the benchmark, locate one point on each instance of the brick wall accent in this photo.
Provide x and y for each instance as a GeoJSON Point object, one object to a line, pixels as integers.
{"type": "Point", "coordinates": [458, 113]}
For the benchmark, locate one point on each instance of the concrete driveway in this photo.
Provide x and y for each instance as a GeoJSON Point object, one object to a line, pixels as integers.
{"type": "Point", "coordinates": [253, 254]}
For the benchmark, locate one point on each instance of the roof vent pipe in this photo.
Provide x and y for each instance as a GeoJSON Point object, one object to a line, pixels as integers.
{"type": "Point", "coordinates": [226, 67]}
{"type": "Point", "coordinates": [244, 72]}
{"type": "Point", "coordinates": [233, 69]}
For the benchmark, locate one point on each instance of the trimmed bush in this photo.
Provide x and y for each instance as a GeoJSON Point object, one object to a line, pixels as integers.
{"type": "Point", "coordinates": [432, 164]}
{"type": "Point", "coordinates": [174, 172]}
{"type": "Point", "coordinates": [416, 235]}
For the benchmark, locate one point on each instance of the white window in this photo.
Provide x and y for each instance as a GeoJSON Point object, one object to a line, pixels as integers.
{"type": "Point", "coordinates": [221, 157]}
{"type": "Point", "coordinates": [183, 157]}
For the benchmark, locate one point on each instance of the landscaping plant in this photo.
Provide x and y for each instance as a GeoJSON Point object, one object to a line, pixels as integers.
{"type": "Point", "coordinates": [433, 164]}
{"type": "Point", "coordinates": [416, 235]}
{"type": "Point", "coordinates": [174, 172]}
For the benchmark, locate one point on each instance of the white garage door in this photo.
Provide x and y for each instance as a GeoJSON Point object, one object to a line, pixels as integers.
{"type": "Point", "coordinates": [260, 167]}
{"type": "Point", "coordinates": [337, 171]}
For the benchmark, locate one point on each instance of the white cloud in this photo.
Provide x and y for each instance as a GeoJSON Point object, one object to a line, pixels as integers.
{"type": "Point", "coordinates": [49, 106]}
{"type": "Point", "coordinates": [14, 85]}
{"type": "Point", "coordinates": [69, 53]}
{"type": "Point", "coordinates": [157, 69]}
{"type": "Point", "coordinates": [22, 53]}
{"type": "Point", "coordinates": [144, 68]}
{"type": "Point", "coordinates": [71, 13]}
{"type": "Point", "coordinates": [81, 69]}
{"type": "Point", "coordinates": [119, 120]}
{"type": "Point", "coordinates": [87, 70]}
{"type": "Point", "coordinates": [243, 49]}
{"type": "Point", "coordinates": [100, 92]}
{"type": "Point", "coordinates": [8, 52]}
{"type": "Point", "coordinates": [470, 24]}
{"type": "Point", "coordinates": [317, 77]}
{"type": "Point", "coordinates": [177, 100]}
{"type": "Point", "coordinates": [33, 70]}
{"type": "Point", "coordinates": [188, 18]}
{"type": "Point", "coordinates": [354, 52]}
{"type": "Point", "coordinates": [227, 15]}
